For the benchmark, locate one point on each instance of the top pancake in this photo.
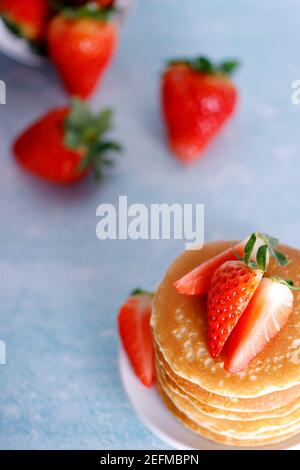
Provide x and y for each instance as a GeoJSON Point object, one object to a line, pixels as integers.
{"type": "Point", "coordinates": [179, 328]}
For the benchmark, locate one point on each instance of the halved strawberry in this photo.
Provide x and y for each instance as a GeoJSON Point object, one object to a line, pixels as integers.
{"type": "Point", "coordinates": [264, 317]}
{"type": "Point", "coordinates": [231, 289]}
{"type": "Point", "coordinates": [197, 281]}
{"type": "Point", "coordinates": [135, 332]}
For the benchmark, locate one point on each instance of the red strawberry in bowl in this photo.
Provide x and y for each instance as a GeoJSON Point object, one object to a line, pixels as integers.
{"type": "Point", "coordinates": [81, 43]}
{"type": "Point", "coordinates": [136, 336]}
{"type": "Point", "coordinates": [66, 144]}
{"type": "Point", "coordinates": [102, 3]}
{"type": "Point", "coordinates": [265, 316]}
{"type": "Point", "coordinates": [26, 18]}
{"type": "Point", "coordinates": [105, 3]}
{"type": "Point", "coordinates": [197, 99]}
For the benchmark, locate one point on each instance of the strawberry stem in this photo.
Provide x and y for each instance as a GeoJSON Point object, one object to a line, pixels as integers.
{"type": "Point", "coordinates": [249, 248]}
{"type": "Point", "coordinates": [205, 65]}
{"type": "Point", "coordinates": [265, 250]}
{"type": "Point", "coordinates": [286, 282]}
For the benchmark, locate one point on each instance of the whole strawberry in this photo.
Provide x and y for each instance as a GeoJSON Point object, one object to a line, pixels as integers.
{"type": "Point", "coordinates": [66, 144]}
{"type": "Point", "coordinates": [26, 18]}
{"type": "Point", "coordinates": [197, 99]}
{"type": "Point", "coordinates": [81, 43]}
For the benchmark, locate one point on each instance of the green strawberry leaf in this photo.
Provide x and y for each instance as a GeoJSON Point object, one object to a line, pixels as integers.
{"type": "Point", "coordinates": [103, 122]}
{"type": "Point", "coordinates": [204, 65]}
{"type": "Point", "coordinates": [286, 282]}
{"type": "Point", "coordinates": [249, 248]}
{"type": "Point", "coordinates": [261, 257]}
{"type": "Point", "coordinates": [85, 131]}
{"type": "Point", "coordinates": [263, 252]}
{"type": "Point", "coordinates": [72, 140]}
{"type": "Point", "coordinates": [12, 26]}
{"type": "Point", "coordinates": [79, 115]}
{"type": "Point", "coordinates": [89, 10]}
{"type": "Point", "coordinates": [139, 291]}
{"type": "Point", "coordinates": [280, 258]}
{"type": "Point", "coordinates": [228, 67]}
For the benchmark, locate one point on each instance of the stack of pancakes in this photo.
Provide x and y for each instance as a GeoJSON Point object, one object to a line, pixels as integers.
{"type": "Point", "coordinates": [258, 406]}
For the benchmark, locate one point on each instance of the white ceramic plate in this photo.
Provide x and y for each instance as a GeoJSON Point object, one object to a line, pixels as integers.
{"type": "Point", "coordinates": [151, 410]}
{"type": "Point", "coordinates": [17, 49]}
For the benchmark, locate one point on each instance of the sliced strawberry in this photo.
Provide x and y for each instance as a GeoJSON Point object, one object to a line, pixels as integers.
{"type": "Point", "coordinates": [264, 317]}
{"type": "Point", "coordinates": [231, 289]}
{"type": "Point", "coordinates": [197, 281]}
{"type": "Point", "coordinates": [135, 332]}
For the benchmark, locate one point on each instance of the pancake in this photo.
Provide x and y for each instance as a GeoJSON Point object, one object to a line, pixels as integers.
{"type": "Point", "coordinates": [179, 328]}
{"type": "Point", "coordinates": [213, 436]}
{"type": "Point", "coordinates": [219, 412]}
{"type": "Point", "coordinates": [237, 429]}
{"type": "Point", "coordinates": [257, 406]}
{"type": "Point", "coordinates": [266, 402]}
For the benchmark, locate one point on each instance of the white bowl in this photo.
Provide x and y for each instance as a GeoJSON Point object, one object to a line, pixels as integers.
{"type": "Point", "coordinates": [151, 410]}
{"type": "Point", "coordinates": [18, 49]}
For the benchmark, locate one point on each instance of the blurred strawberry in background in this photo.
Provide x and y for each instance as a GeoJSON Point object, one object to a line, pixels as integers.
{"type": "Point", "coordinates": [106, 3]}
{"type": "Point", "coordinates": [102, 3]}
{"type": "Point", "coordinates": [66, 144]}
{"type": "Point", "coordinates": [26, 18]}
{"type": "Point", "coordinates": [79, 36]}
{"type": "Point", "coordinates": [81, 43]}
{"type": "Point", "coordinates": [197, 98]}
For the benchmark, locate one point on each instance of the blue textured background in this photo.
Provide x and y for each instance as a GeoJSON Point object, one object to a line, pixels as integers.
{"type": "Point", "coordinates": [60, 287]}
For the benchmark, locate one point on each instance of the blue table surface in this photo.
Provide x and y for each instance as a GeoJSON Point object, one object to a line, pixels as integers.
{"type": "Point", "coordinates": [60, 286]}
